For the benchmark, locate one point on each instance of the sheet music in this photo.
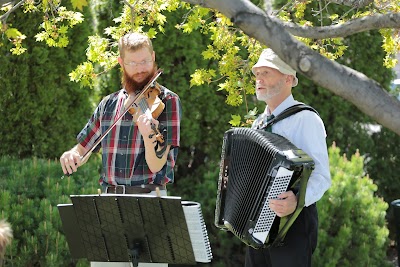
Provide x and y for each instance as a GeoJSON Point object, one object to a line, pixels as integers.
{"type": "Point", "coordinates": [197, 231]}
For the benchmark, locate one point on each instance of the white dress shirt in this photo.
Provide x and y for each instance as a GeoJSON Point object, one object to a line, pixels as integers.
{"type": "Point", "coordinates": [306, 131]}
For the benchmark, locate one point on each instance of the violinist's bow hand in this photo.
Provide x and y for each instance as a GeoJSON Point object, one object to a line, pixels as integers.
{"type": "Point", "coordinates": [70, 161]}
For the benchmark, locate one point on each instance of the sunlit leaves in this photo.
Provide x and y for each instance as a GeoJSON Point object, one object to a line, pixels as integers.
{"type": "Point", "coordinates": [201, 76]}
{"type": "Point", "coordinates": [16, 37]}
{"type": "Point", "coordinates": [230, 47]}
{"type": "Point", "coordinates": [333, 48]}
{"type": "Point", "coordinates": [30, 6]}
{"type": "Point", "coordinates": [97, 53]}
{"type": "Point", "coordinates": [210, 53]}
{"type": "Point", "coordinates": [84, 73]}
{"type": "Point", "coordinates": [235, 121]}
{"type": "Point", "coordinates": [102, 53]}
{"type": "Point", "coordinates": [300, 8]}
{"type": "Point", "coordinates": [391, 45]}
{"type": "Point", "coordinates": [97, 46]}
{"type": "Point", "coordinates": [144, 13]}
{"type": "Point", "coordinates": [17, 50]}
{"type": "Point", "coordinates": [249, 118]}
{"type": "Point", "coordinates": [55, 28]}
{"type": "Point", "coordinates": [234, 52]}
{"type": "Point", "coordinates": [78, 4]}
{"type": "Point", "coordinates": [56, 23]}
{"type": "Point", "coordinates": [13, 33]}
{"type": "Point", "coordinates": [194, 19]}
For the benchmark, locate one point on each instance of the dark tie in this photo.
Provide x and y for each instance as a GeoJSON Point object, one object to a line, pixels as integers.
{"type": "Point", "coordinates": [269, 118]}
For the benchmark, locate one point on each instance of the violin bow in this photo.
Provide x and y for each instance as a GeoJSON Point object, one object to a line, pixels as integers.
{"type": "Point", "coordinates": [147, 86]}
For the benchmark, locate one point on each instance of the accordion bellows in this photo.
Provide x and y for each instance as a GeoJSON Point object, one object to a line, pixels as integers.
{"type": "Point", "coordinates": [257, 166]}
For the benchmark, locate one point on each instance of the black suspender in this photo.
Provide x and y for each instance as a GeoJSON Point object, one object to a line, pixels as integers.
{"type": "Point", "coordinates": [288, 112]}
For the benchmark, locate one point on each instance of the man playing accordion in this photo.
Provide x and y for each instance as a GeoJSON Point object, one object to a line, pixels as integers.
{"type": "Point", "coordinates": [305, 129]}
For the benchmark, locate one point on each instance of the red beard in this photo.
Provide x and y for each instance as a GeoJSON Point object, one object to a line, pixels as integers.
{"type": "Point", "coordinates": [132, 86]}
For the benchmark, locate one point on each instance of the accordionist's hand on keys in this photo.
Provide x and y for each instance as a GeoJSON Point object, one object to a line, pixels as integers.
{"type": "Point", "coordinates": [285, 204]}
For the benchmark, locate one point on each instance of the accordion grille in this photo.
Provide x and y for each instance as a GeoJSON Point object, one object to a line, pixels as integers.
{"type": "Point", "coordinates": [251, 155]}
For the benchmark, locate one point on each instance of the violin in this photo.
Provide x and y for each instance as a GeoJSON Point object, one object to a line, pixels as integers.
{"type": "Point", "coordinates": [135, 103]}
{"type": "Point", "coordinates": [147, 102]}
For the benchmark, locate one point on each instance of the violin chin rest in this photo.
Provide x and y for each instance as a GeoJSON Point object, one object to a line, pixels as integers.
{"type": "Point", "coordinates": [158, 108]}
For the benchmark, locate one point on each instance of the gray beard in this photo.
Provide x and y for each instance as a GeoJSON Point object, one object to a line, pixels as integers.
{"type": "Point", "coordinates": [272, 92]}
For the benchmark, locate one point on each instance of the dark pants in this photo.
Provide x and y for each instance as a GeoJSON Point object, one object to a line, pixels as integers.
{"type": "Point", "coordinates": [299, 244]}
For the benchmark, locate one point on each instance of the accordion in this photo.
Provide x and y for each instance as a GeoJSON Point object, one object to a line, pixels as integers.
{"type": "Point", "coordinates": [257, 166]}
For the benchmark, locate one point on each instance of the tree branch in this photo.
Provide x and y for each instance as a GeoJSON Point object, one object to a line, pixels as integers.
{"type": "Point", "coordinates": [364, 93]}
{"type": "Point", "coordinates": [352, 3]}
{"type": "Point", "coordinates": [374, 22]}
{"type": "Point", "coordinates": [4, 3]}
{"type": "Point", "coordinates": [4, 17]}
{"type": "Point", "coordinates": [132, 8]}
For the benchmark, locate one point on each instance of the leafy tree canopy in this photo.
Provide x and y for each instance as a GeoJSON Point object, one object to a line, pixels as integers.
{"type": "Point", "coordinates": [239, 30]}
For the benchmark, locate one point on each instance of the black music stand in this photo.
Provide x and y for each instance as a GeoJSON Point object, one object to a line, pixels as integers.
{"type": "Point", "coordinates": [127, 228]}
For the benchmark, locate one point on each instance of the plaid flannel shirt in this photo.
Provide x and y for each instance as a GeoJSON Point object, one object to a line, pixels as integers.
{"type": "Point", "coordinates": [123, 150]}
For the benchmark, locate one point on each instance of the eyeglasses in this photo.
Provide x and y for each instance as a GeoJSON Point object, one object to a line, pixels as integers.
{"type": "Point", "coordinates": [143, 63]}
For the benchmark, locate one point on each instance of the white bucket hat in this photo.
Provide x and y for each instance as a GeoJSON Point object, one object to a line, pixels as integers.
{"type": "Point", "coordinates": [268, 58]}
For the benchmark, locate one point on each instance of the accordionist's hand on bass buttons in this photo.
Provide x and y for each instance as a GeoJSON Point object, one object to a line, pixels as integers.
{"type": "Point", "coordinates": [285, 204]}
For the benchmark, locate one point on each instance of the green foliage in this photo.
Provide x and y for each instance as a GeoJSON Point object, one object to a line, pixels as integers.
{"type": "Point", "coordinates": [382, 165]}
{"type": "Point", "coordinates": [347, 126]}
{"type": "Point", "coordinates": [56, 21]}
{"type": "Point", "coordinates": [17, 37]}
{"type": "Point", "coordinates": [352, 224]}
{"type": "Point", "coordinates": [40, 106]}
{"type": "Point", "coordinates": [233, 51]}
{"type": "Point", "coordinates": [30, 191]}
{"type": "Point", "coordinates": [391, 45]}
{"type": "Point", "coordinates": [208, 68]}
{"type": "Point", "coordinates": [350, 215]}
{"type": "Point", "coordinates": [205, 116]}
{"type": "Point", "coordinates": [310, 13]}
{"type": "Point", "coordinates": [55, 29]}
{"type": "Point", "coordinates": [103, 76]}
{"type": "Point", "coordinates": [151, 17]}
{"type": "Point", "coordinates": [102, 51]}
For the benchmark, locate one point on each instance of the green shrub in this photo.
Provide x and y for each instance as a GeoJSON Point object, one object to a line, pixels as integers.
{"type": "Point", "coordinates": [42, 111]}
{"type": "Point", "coordinates": [351, 218]}
{"type": "Point", "coordinates": [352, 223]}
{"type": "Point", "coordinates": [29, 193]}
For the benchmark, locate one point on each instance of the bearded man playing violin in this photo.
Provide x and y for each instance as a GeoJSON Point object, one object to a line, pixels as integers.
{"type": "Point", "coordinates": [140, 151]}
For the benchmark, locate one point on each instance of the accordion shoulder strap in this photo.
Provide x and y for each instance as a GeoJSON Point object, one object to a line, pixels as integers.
{"type": "Point", "coordinates": [289, 112]}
